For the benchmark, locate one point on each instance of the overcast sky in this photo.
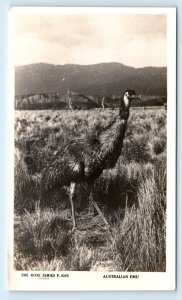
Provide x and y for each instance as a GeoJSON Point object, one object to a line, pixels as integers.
{"type": "Point", "coordinates": [134, 40]}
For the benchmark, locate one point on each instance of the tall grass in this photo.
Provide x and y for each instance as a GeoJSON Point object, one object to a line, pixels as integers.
{"type": "Point", "coordinates": [140, 237]}
{"type": "Point", "coordinates": [27, 187]}
{"type": "Point", "coordinates": [132, 196]}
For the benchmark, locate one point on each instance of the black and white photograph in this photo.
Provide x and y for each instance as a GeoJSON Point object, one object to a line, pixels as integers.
{"type": "Point", "coordinates": [92, 126]}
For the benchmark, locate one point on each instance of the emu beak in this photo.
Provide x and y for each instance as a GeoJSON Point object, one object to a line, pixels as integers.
{"type": "Point", "coordinates": [139, 97]}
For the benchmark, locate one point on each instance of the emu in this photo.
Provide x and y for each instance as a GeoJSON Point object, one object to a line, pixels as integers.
{"type": "Point", "coordinates": [84, 159]}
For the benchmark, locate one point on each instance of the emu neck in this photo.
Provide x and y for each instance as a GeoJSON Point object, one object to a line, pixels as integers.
{"type": "Point", "coordinates": [124, 109]}
{"type": "Point", "coordinates": [112, 143]}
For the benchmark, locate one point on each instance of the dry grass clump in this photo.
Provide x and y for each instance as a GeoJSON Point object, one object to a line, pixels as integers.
{"type": "Point", "coordinates": [27, 187]}
{"type": "Point", "coordinates": [157, 146]}
{"type": "Point", "coordinates": [140, 237]}
{"type": "Point", "coordinates": [43, 234]}
{"type": "Point", "coordinates": [81, 259]}
{"type": "Point", "coordinates": [136, 149]}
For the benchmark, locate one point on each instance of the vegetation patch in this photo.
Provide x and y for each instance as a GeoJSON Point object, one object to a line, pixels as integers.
{"type": "Point", "coordinates": [132, 195]}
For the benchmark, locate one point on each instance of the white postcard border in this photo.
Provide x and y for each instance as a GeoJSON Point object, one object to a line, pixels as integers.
{"type": "Point", "coordinates": [87, 281]}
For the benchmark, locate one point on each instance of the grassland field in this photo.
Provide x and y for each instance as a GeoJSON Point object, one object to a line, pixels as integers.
{"type": "Point", "coordinates": [132, 196]}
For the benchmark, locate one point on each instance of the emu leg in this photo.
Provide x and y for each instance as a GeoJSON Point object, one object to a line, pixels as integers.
{"type": "Point", "coordinates": [91, 201]}
{"type": "Point", "coordinates": [72, 191]}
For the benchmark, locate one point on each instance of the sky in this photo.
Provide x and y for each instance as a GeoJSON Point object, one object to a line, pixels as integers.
{"type": "Point", "coordinates": [134, 40]}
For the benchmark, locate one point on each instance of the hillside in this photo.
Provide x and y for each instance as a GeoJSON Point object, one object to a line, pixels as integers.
{"type": "Point", "coordinates": [104, 79]}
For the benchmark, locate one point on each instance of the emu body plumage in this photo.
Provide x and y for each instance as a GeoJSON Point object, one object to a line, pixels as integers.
{"type": "Point", "coordinates": [83, 160]}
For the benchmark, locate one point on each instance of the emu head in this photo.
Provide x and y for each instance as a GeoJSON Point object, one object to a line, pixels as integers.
{"type": "Point", "coordinates": [128, 96]}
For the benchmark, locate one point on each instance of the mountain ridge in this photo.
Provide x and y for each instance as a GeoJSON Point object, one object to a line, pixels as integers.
{"type": "Point", "coordinates": [103, 79]}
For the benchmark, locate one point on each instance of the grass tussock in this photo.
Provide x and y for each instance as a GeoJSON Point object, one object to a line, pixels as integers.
{"type": "Point", "coordinates": [43, 233]}
{"type": "Point", "coordinates": [140, 237]}
{"type": "Point", "coordinates": [27, 187]}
